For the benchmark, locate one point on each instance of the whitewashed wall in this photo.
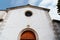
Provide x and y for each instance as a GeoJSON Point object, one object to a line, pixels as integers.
{"type": "Point", "coordinates": [17, 21]}
{"type": "Point", "coordinates": [3, 14]}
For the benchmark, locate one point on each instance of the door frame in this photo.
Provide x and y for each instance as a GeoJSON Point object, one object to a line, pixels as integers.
{"type": "Point", "coordinates": [30, 30]}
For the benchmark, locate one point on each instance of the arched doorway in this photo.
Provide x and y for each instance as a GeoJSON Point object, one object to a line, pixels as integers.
{"type": "Point", "coordinates": [28, 35]}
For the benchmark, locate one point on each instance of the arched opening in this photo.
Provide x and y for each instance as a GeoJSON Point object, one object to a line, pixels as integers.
{"type": "Point", "coordinates": [28, 35]}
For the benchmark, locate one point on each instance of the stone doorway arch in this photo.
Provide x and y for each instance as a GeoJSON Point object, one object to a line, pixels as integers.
{"type": "Point", "coordinates": [28, 34]}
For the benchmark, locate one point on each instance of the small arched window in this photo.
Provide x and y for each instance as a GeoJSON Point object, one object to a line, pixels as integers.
{"type": "Point", "coordinates": [1, 20]}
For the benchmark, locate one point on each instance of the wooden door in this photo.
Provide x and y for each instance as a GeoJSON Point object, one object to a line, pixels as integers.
{"type": "Point", "coordinates": [28, 35]}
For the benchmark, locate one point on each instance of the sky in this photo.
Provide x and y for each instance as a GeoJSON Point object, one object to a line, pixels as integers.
{"type": "Point", "coordinates": [50, 4]}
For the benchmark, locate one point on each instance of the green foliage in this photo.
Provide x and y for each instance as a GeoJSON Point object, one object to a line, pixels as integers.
{"type": "Point", "coordinates": [58, 5]}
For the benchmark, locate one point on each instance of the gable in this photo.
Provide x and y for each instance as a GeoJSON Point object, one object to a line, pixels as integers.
{"type": "Point", "coordinates": [17, 20]}
{"type": "Point", "coordinates": [24, 6]}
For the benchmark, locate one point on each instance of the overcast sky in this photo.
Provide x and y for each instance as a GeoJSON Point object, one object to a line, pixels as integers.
{"type": "Point", "coordinates": [50, 4]}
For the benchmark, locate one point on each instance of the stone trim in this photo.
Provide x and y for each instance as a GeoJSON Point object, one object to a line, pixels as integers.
{"type": "Point", "coordinates": [30, 30]}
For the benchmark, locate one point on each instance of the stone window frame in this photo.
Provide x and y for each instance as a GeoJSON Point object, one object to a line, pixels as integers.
{"type": "Point", "coordinates": [29, 12]}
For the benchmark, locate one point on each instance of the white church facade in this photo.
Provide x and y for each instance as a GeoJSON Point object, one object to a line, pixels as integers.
{"type": "Point", "coordinates": [26, 23]}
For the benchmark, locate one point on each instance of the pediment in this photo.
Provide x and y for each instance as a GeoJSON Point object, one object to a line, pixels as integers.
{"type": "Point", "coordinates": [28, 5]}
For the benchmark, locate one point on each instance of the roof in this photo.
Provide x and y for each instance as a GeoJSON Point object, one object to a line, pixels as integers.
{"type": "Point", "coordinates": [28, 5]}
{"type": "Point", "coordinates": [54, 20]}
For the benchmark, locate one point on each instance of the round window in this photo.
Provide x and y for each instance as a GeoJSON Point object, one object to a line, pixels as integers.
{"type": "Point", "coordinates": [28, 13]}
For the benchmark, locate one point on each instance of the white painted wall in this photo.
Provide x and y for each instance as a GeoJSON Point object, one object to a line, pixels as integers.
{"type": "Point", "coordinates": [17, 21]}
{"type": "Point", "coordinates": [2, 14]}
